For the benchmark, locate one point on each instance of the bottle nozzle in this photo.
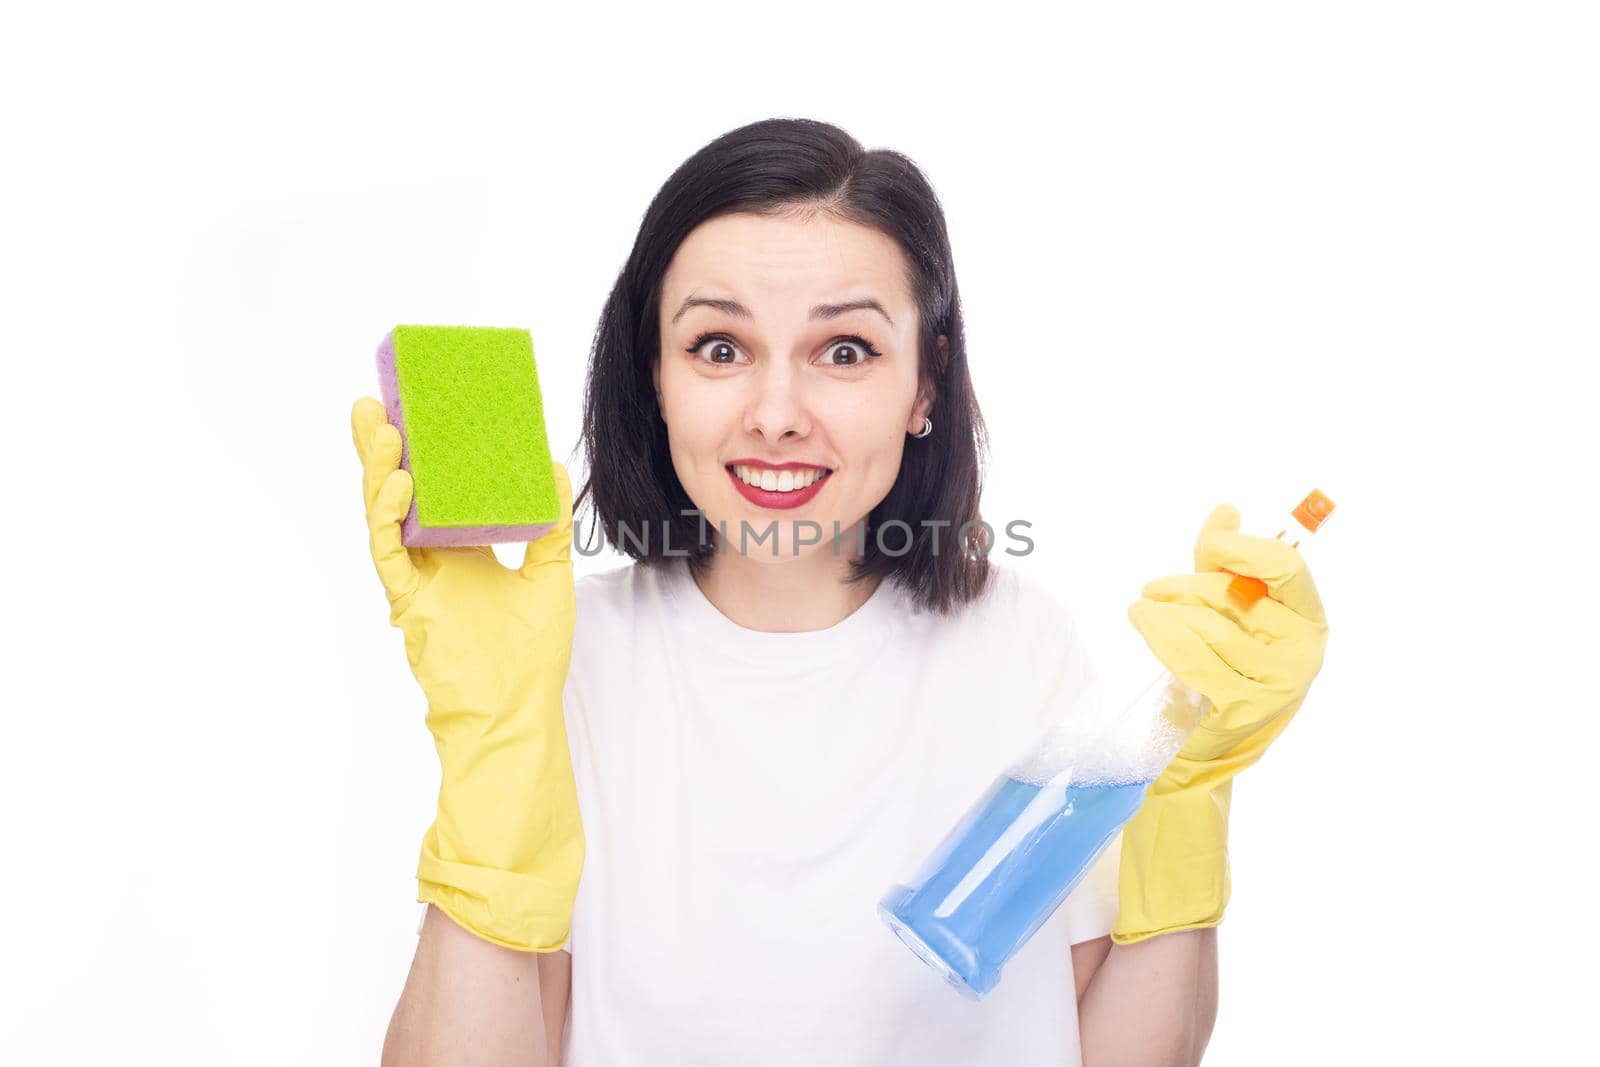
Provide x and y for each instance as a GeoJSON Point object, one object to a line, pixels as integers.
{"type": "Point", "coordinates": [1311, 513]}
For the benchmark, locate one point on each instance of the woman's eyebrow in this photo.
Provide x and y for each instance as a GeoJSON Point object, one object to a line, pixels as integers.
{"type": "Point", "coordinates": [821, 311]}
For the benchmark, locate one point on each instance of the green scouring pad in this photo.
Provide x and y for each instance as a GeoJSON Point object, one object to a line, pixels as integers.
{"type": "Point", "coordinates": [466, 401]}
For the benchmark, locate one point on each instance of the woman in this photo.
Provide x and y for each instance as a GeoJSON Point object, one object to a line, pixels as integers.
{"type": "Point", "coordinates": [808, 673]}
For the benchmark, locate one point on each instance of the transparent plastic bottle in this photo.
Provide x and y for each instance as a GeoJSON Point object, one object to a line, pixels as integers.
{"type": "Point", "coordinates": [1002, 871]}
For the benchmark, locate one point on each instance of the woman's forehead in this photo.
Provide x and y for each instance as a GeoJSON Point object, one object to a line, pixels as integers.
{"type": "Point", "coordinates": [775, 265]}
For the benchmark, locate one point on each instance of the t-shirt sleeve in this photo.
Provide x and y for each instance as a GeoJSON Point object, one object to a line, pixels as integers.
{"type": "Point", "coordinates": [1064, 674]}
{"type": "Point", "coordinates": [1091, 907]}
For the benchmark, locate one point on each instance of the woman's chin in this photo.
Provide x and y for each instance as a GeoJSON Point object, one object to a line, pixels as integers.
{"type": "Point", "coordinates": [782, 540]}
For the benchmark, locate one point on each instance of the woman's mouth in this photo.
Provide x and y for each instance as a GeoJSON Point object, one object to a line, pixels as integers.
{"type": "Point", "coordinates": [778, 487]}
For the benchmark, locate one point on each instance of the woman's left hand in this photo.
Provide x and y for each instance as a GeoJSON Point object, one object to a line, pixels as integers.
{"type": "Point", "coordinates": [1254, 663]}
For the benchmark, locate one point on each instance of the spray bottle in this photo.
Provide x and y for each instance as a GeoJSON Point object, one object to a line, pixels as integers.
{"type": "Point", "coordinates": [1027, 842]}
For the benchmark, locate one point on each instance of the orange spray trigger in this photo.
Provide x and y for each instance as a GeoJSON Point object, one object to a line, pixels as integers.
{"type": "Point", "coordinates": [1245, 590]}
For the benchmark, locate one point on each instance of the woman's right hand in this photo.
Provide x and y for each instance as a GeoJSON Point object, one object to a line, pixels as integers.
{"type": "Point", "coordinates": [490, 647]}
{"type": "Point", "coordinates": [459, 608]}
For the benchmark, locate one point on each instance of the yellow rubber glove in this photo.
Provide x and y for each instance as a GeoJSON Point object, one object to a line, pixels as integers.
{"type": "Point", "coordinates": [1255, 665]}
{"type": "Point", "coordinates": [490, 647]}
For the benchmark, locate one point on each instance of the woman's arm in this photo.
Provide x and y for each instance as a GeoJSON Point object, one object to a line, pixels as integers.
{"type": "Point", "coordinates": [1149, 1004]}
{"type": "Point", "coordinates": [555, 990]}
{"type": "Point", "coordinates": [467, 1001]}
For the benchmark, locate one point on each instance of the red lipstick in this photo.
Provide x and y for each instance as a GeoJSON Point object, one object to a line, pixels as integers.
{"type": "Point", "coordinates": [771, 498]}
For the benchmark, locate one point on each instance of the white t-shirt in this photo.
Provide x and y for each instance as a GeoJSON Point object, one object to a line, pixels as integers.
{"type": "Point", "coordinates": [747, 798]}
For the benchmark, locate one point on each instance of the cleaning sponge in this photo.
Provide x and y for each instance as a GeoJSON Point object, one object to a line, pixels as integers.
{"type": "Point", "coordinates": [466, 402]}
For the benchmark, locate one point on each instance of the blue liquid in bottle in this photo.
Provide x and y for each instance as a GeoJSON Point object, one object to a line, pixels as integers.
{"type": "Point", "coordinates": [1001, 872]}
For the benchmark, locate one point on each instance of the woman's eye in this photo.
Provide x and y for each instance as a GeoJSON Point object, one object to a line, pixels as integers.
{"type": "Point", "coordinates": [856, 351]}
{"type": "Point", "coordinates": [721, 352]}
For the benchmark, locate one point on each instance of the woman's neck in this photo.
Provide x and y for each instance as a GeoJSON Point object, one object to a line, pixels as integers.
{"type": "Point", "coordinates": [784, 596]}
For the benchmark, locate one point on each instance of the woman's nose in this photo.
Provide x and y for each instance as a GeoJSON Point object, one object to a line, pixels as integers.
{"type": "Point", "coordinates": [777, 405]}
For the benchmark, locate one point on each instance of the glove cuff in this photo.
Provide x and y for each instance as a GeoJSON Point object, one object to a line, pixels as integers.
{"type": "Point", "coordinates": [1174, 872]}
{"type": "Point", "coordinates": [516, 911]}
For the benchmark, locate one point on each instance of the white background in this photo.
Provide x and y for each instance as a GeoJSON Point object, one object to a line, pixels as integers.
{"type": "Point", "coordinates": [1207, 252]}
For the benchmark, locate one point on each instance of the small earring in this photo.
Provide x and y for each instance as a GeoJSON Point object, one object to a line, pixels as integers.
{"type": "Point", "coordinates": [927, 428]}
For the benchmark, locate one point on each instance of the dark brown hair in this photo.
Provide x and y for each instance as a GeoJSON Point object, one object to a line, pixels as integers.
{"type": "Point", "coordinates": [773, 167]}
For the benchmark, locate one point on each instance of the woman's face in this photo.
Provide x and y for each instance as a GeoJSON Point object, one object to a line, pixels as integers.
{"type": "Point", "coordinates": [788, 343]}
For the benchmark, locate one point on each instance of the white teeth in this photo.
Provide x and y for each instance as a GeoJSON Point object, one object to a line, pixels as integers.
{"type": "Point", "coordinates": [778, 481]}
